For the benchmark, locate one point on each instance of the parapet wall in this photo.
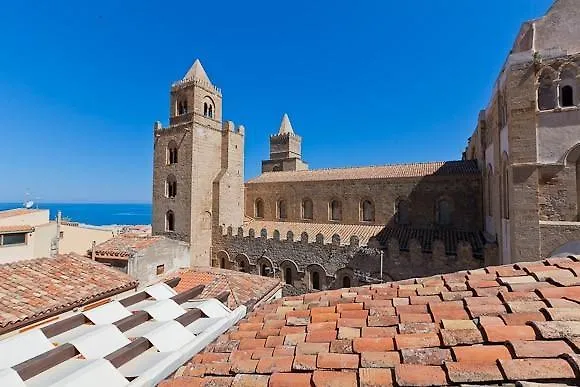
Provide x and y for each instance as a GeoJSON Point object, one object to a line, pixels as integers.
{"type": "Point", "coordinates": [265, 252]}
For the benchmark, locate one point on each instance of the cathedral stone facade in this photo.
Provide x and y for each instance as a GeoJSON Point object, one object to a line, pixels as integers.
{"type": "Point", "coordinates": [514, 196]}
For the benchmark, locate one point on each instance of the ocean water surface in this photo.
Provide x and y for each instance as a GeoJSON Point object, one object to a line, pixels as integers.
{"type": "Point", "coordinates": [98, 214]}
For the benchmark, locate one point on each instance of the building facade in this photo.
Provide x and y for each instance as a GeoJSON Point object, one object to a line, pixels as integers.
{"type": "Point", "coordinates": [514, 196]}
{"type": "Point", "coordinates": [527, 141]}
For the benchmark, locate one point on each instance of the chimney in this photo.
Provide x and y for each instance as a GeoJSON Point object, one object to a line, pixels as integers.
{"type": "Point", "coordinates": [93, 250]}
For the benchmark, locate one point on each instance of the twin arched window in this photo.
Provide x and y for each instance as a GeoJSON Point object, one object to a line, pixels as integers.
{"type": "Point", "coordinates": [169, 221]}
{"type": "Point", "coordinates": [558, 90]}
{"type": "Point", "coordinates": [307, 209]}
{"type": "Point", "coordinates": [181, 107]}
{"type": "Point", "coordinates": [172, 152]}
{"type": "Point", "coordinates": [335, 210]}
{"type": "Point", "coordinates": [171, 186]}
{"type": "Point", "coordinates": [208, 109]}
{"type": "Point", "coordinates": [367, 211]}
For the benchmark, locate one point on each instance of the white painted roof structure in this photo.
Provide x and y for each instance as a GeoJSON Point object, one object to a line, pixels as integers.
{"type": "Point", "coordinates": [285, 126]}
{"type": "Point", "coordinates": [137, 341]}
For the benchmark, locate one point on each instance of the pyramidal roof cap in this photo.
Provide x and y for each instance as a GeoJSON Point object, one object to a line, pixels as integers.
{"type": "Point", "coordinates": [196, 72]}
{"type": "Point", "coordinates": [285, 125]}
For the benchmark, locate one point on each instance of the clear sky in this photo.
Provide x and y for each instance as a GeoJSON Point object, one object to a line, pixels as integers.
{"type": "Point", "coordinates": [365, 83]}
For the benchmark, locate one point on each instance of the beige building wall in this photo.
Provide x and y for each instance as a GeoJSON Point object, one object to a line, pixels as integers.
{"type": "Point", "coordinates": [79, 239]}
{"type": "Point", "coordinates": [41, 241]}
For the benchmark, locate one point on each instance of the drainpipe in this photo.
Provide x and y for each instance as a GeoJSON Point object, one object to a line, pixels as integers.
{"type": "Point", "coordinates": [382, 254]}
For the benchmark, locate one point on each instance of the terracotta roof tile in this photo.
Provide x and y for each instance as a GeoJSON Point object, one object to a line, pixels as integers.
{"type": "Point", "coordinates": [382, 234]}
{"type": "Point", "coordinates": [125, 245]}
{"type": "Point", "coordinates": [394, 171]}
{"type": "Point", "coordinates": [18, 212]}
{"type": "Point", "coordinates": [388, 331]}
{"type": "Point", "coordinates": [16, 228]}
{"type": "Point", "coordinates": [243, 287]}
{"type": "Point", "coordinates": [36, 288]}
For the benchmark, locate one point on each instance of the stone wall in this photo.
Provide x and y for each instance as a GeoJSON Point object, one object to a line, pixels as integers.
{"type": "Point", "coordinates": [338, 264]}
{"type": "Point", "coordinates": [423, 193]}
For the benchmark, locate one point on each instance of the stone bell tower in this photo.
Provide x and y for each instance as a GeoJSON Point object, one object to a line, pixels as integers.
{"type": "Point", "coordinates": [197, 167]}
{"type": "Point", "coordinates": [285, 150]}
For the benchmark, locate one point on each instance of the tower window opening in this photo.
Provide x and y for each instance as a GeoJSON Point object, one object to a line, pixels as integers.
{"type": "Point", "coordinates": [172, 153]}
{"type": "Point", "coordinates": [402, 212]}
{"type": "Point", "coordinates": [443, 212]}
{"type": "Point", "coordinates": [259, 208]}
{"type": "Point", "coordinates": [367, 211]}
{"type": "Point", "coordinates": [169, 221]}
{"type": "Point", "coordinates": [282, 214]}
{"type": "Point", "coordinates": [307, 209]}
{"type": "Point", "coordinates": [171, 187]}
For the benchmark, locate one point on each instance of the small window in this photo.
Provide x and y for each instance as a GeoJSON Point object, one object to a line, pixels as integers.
{"type": "Point", "coordinates": [169, 221]}
{"type": "Point", "coordinates": [13, 239]}
{"type": "Point", "coordinates": [546, 90]}
{"type": "Point", "coordinates": [567, 96]}
{"type": "Point", "coordinates": [242, 266]}
{"type": "Point", "coordinates": [335, 210]}
{"type": "Point", "coordinates": [61, 235]}
{"type": "Point", "coordinates": [367, 211]}
{"type": "Point", "coordinates": [288, 276]}
{"type": "Point", "coordinates": [259, 208]}
{"type": "Point", "coordinates": [315, 277]}
{"type": "Point", "coordinates": [276, 168]}
{"type": "Point", "coordinates": [160, 269]}
{"type": "Point", "coordinates": [281, 208]}
{"type": "Point", "coordinates": [264, 270]}
{"type": "Point", "coordinates": [307, 209]}
{"type": "Point", "coordinates": [222, 263]}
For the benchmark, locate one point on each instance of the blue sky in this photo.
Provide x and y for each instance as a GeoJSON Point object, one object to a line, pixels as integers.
{"type": "Point", "coordinates": [371, 82]}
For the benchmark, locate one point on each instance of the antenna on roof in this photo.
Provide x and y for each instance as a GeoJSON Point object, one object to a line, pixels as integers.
{"type": "Point", "coordinates": [27, 202]}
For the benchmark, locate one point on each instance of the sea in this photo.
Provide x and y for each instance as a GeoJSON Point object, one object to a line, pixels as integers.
{"type": "Point", "coordinates": [97, 214]}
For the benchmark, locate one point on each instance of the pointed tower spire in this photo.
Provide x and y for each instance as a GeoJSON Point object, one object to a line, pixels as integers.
{"type": "Point", "coordinates": [196, 72]}
{"type": "Point", "coordinates": [285, 125]}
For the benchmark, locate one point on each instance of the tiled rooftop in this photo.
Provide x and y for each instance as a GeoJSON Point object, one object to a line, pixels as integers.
{"type": "Point", "coordinates": [491, 326]}
{"type": "Point", "coordinates": [15, 228]}
{"type": "Point", "coordinates": [394, 171]}
{"type": "Point", "coordinates": [125, 245]}
{"type": "Point", "coordinates": [243, 288]}
{"type": "Point", "coordinates": [17, 212]}
{"type": "Point", "coordinates": [450, 237]}
{"type": "Point", "coordinates": [35, 289]}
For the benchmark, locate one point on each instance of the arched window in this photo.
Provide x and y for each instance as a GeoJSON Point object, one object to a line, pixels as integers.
{"type": "Point", "coordinates": [205, 109]}
{"type": "Point", "coordinates": [171, 186]}
{"type": "Point", "coordinates": [568, 84]}
{"type": "Point", "coordinates": [242, 266]}
{"type": "Point", "coordinates": [276, 168]}
{"type": "Point", "coordinates": [315, 278]}
{"type": "Point", "coordinates": [367, 211]}
{"type": "Point", "coordinates": [288, 276]}
{"type": "Point", "coordinates": [281, 209]}
{"type": "Point", "coordinates": [567, 95]}
{"type": "Point", "coordinates": [181, 107]}
{"type": "Point", "coordinates": [210, 111]}
{"type": "Point", "coordinates": [307, 209]}
{"type": "Point", "coordinates": [172, 152]}
{"type": "Point", "coordinates": [546, 90]}
{"type": "Point", "coordinates": [169, 221]}
{"type": "Point", "coordinates": [489, 190]}
{"type": "Point", "coordinates": [346, 281]}
{"type": "Point", "coordinates": [335, 210]}
{"type": "Point", "coordinates": [259, 208]}
{"type": "Point", "coordinates": [222, 263]}
{"type": "Point", "coordinates": [444, 212]}
{"type": "Point", "coordinates": [402, 212]}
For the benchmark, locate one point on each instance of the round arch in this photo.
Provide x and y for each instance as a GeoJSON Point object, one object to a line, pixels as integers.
{"type": "Point", "coordinates": [345, 278]}
{"type": "Point", "coordinates": [289, 271]}
{"type": "Point", "coordinates": [316, 277]}
{"type": "Point", "coordinates": [223, 259]}
{"type": "Point", "coordinates": [242, 263]}
{"type": "Point", "coordinates": [265, 266]}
